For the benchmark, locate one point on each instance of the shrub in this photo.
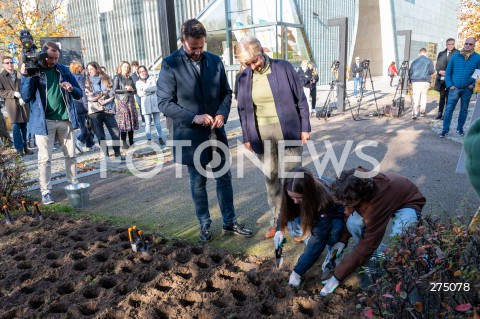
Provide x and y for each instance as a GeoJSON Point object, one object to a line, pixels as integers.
{"type": "Point", "coordinates": [440, 252]}
{"type": "Point", "coordinates": [12, 176]}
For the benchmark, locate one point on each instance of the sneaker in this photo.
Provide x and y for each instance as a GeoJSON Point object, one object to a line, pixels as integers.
{"type": "Point", "coordinates": [79, 146]}
{"type": "Point", "coordinates": [205, 234]}
{"type": "Point", "coordinates": [414, 117]}
{"type": "Point", "coordinates": [461, 132]}
{"type": "Point", "coordinates": [161, 141]}
{"type": "Point", "coordinates": [270, 233]}
{"type": "Point", "coordinates": [444, 134]}
{"type": "Point", "coordinates": [422, 114]}
{"type": "Point", "coordinates": [47, 199]}
{"type": "Point", "coordinates": [237, 229]}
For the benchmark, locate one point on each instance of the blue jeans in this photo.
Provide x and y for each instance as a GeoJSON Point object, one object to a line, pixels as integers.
{"type": "Point", "coordinates": [325, 231]}
{"type": "Point", "coordinates": [224, 195]}
{"type": "Point", "coordinates": [401, 219]}
{"type": "Point", "coordinates": [356, 83]}
{"type": "Point", "coordinates": [19, 136]}
{"type": "Point", "coordinates": [156, 121]}
{"type": "Point", "coordinates": [453, 97]}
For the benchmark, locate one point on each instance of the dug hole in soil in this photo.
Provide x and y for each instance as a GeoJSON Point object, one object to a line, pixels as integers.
{"type": "Point", "coordinates": [63, 267]}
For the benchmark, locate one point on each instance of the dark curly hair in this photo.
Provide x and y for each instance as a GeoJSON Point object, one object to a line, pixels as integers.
{"type": "Point", "coordinates": [193, 28]}
{"type": "Point", "coordinates": [349, 188]}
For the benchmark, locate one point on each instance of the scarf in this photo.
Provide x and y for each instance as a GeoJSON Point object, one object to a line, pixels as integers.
{"type": "Point", "coordinates": [466, 54]}
{"type": "Point", "coordinates": [96, 83]}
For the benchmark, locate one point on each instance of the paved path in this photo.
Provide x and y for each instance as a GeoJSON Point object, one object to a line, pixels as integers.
{"type": "Point", "coordinates": [409, 147]}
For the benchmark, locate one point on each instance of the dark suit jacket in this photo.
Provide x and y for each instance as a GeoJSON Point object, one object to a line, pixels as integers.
{"type": "Point", "coordinates": [16, 113]}
{"type": "Point", "coordinates": [183, 93]}
{"type": "Point", "coordinates": [442, 62]}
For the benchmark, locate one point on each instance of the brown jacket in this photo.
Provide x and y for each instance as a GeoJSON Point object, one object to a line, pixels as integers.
{"type": "Point", "coordinates": [391, 193]}
{"type": "Point", "coordinates": [16, 112]}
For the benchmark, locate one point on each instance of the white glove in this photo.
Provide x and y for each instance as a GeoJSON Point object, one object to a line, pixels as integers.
{"type": "Point", "coordinates": [327, 258]}
{"type": "Point", "coordinates": [21, 101]}
{"type": "Point", "coordinates": [339, 247]}
{"type": "Point", "coordinates": [17, 95]}
{"type": "Point", "coordinates": [329, 287]}
{"type": "Point", "coordinates": [277, 239]}
{"type": "Point", "coordinates": [295, 280]}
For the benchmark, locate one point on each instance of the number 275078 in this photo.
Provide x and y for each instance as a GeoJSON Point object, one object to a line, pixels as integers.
{"type": "Point", "coordinates": [446, 286]}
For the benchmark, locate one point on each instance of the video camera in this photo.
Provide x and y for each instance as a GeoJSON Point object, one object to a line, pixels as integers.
{"type": "Point", "coordinates": [30, 56]}
{"type": "Point", "coordinates": [335, 65]}
{"type": "Point", "coordinates": [404, 65]}
{"type": "Point", "coordinates": [365, 64]}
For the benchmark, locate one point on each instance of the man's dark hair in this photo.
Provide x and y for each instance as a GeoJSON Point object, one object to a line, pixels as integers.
{"type": "Point", "coordinates": [450, 39]}
{"type": "Point", "coordinates": [50, 45]}
{"type": "Point", "coordinates": [193, 28]}
{"type": "Point", "coordinates": [5, 57]}
{"type": "Point", "coordinates": [135, 63]}
{"type": "Point", "coordinates": [350, 188]}
{"type": "Point", "coordinates": [423, 50]}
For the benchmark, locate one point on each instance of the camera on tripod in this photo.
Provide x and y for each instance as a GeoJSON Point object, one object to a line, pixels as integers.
{"type": "Point", "coordinates": [335, 65]}
{"type": "Point", "coordinates": [365, 64]}
{"type": "Point", "coordinates": [30, 56]}
{"type": "Point", "coordinates": [404, 65]}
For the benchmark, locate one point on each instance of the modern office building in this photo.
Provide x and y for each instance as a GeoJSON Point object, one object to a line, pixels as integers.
{"type": "Point", "coordinates": [288, 29]}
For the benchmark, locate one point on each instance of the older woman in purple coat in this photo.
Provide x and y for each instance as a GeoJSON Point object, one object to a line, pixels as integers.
{"type": "Point", "coordinates": [272, 108]}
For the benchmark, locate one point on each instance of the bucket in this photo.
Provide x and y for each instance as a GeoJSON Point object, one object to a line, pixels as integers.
{"type": "Point", "coordinates": [78, 194]}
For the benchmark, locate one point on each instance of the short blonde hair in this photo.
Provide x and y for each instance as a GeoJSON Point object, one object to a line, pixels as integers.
{"type": "Point", "coordinates": [248, 49]}
{"type": "Point", "coordinates": [76, 67]}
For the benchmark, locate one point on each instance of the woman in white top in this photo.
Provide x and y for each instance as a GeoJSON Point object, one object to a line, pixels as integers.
{"type": "Point", "coordinates": [146, 89]}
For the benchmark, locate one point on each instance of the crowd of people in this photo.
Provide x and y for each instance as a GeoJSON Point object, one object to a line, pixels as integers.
{"type": "Point", "coordinates": [275, 103]}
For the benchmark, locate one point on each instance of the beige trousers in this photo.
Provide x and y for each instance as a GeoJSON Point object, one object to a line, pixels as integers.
{"type": "Point", "coordinates": [63, 131]}
{"type": "Point", "coordinates": [420, 90]}
{"type": "Point", "coordinates": [273, 133]}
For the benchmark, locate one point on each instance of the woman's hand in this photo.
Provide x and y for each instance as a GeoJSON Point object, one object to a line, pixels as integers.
{"type": "Point", "coordinates": [247, 145]}
{"type": "Point", "coordinates": [128, 88]}
{"type": "Point", "coordinates": [305, 136]}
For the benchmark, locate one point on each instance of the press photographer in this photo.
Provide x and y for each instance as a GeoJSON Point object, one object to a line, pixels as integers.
{"type": "Point", "coordinates": [53, 112]}
{"type": "Point", "coordinates": [357, 69]}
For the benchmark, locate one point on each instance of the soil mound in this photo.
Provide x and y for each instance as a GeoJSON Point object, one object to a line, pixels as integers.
{"type": "Point", "coordinates": [64, 267]}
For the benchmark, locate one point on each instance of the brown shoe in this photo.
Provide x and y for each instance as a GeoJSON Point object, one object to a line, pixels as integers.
{"type": "Point", "coordinates": [270, 233]}
{"type": "Point", "coordinates": [298, 240]}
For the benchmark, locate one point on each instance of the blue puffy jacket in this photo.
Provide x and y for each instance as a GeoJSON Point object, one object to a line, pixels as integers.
{"type": "Point", "coordinates": [34, 91]}
{"type": "Point", "coordinates": [459, 71]}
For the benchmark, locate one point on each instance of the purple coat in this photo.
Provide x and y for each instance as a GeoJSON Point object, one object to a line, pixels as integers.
{"type": "Point", "coordinates": [290, 102]}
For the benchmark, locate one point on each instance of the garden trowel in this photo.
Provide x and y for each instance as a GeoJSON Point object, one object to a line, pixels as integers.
{"type": "Point", "coordinates": [279, 253]}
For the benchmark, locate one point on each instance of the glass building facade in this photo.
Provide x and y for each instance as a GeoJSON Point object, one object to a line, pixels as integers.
{"type": "Point", "coordinates": [294, 30]}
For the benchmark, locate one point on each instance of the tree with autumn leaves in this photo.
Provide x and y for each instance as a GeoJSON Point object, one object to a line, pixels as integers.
{"type": "Point", "coordinates": [469, 19]}
{"type": "Point", "coordinates": [42, 17]}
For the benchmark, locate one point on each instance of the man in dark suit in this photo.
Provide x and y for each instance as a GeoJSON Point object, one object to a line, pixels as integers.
{"type": "Point", "coordinates": [18, 111]}
{"type": "Point", "coordinates": [192, 90]}
{"type": "Point", "coordinates": [442, 62]}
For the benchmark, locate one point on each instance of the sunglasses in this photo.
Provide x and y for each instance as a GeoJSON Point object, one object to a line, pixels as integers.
{"type": "Point", "coordinates": [7, 62]}
{"type": "Point", "coordinates": [469, 43]}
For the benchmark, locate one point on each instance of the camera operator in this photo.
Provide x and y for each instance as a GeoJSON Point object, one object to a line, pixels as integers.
{"type": "Point", "coordinates": [53, 114]}
{"type": "Point", "coordinates": [357, 72]}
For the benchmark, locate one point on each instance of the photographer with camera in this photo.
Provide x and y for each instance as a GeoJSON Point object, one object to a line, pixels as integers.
{"type": "Point", "coordinates": [18, 111]}
{"type": "Point", "coordinates": [357, 73]}
{"type": "Point", "coordinates": [305, 75]}
{"type": "Point", "coordinates": [52, 112]}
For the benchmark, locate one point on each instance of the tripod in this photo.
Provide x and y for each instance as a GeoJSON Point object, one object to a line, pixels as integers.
{"type": "Point", "coordinates": [326, 111]}
{"type": "Point", "coordinates": [400, 101]}
{"type": "Point", "coordinates": [366, 73]}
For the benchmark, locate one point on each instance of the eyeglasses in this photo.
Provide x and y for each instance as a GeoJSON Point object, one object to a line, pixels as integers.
{"type": "Point", "coordinates": [466, 43]}
{"type": "Point", "coordinates": [7, 62]}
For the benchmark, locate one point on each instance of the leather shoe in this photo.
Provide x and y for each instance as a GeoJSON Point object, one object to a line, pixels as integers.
{"type": "Point", "coordinates": [439, 116]}
{"type": "Point", "coordinates": [27, 151]}
{"type": "Point", "coordinates": [270, 233]}
{"type": "Point", "coordinates": [237, 229]}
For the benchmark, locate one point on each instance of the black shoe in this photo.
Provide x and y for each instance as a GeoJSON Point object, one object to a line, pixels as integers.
{"type": "Point", "coordinates": [161, 141]}
{"type": "Point", "coordinates": [27, 151]}
{"type": "Point", "coordinates": [439, 116]}
{"type": "Point", "coordinates": [237, 229]}
{"type": "Point", "coordinates": [205, 234]}
{"type": "Point", "coordinates": [20, 153]}
{"type": "Point", "coordinates": [124, 145]}
{"type": "Point", "coordinates": [460, 132]}
{"type": "Point", "coordinates": [443, 134]}
{"type": "Point", "coordinates": [121, 158]}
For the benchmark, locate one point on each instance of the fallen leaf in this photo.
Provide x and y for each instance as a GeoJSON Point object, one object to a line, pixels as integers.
{"type": "Point", "coordinates": [403, 295]}
{"type": "Point", "coordinates": [398, 286]}
{"type": "Point", "coordinates": [387, 296]}
{"type": "Point", "coordinates": [457, 273]}
{"type": "Point", "coordinates": [463, 307]}
{"type": "Point", "coordinates": [419, 307]}
{"type": "Point", "coordinates": [368, 312]}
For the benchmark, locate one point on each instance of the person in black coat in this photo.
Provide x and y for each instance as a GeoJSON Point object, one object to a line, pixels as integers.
{"type": "Point", "coordinates": [442, 62]}
{"type": "Point", "coordinates": [193, 91]}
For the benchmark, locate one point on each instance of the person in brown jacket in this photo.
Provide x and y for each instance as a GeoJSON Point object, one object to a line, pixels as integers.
{"type": "Point", "coordinates": [17, 110]}
{"type": "Point", "coordinates": [374, 201]}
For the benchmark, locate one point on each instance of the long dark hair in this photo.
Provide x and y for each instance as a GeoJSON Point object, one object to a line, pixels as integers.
{"type": "Point", "coordinates": [316, 199]}
{"type": "Point", "coordinates": [103, 76]}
